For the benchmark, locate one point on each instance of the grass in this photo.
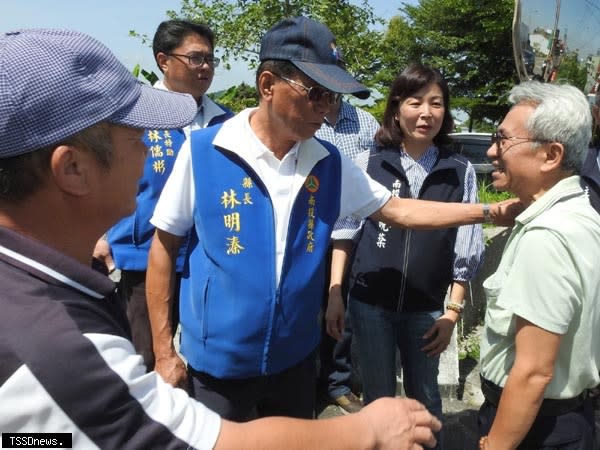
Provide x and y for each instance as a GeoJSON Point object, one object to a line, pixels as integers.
{"type": "Point", "coordinates": [469, 345]}
{"type": "Point", "coordinates": [487, 193]}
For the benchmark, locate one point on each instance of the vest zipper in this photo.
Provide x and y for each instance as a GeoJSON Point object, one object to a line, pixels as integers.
{"type": "Point", "coordinates": [404, 270]}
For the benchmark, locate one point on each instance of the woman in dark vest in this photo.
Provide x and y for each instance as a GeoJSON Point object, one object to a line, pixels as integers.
{"type": "Point", "coordinates": [399, 278]}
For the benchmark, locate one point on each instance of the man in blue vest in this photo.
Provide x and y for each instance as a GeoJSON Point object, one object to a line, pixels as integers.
{"type": "Point", "coordinates": [262, 195]}
{"type": "Point", "coordinates": [71, 155]}
{"type": "Point", "coordinates": [184, 53]}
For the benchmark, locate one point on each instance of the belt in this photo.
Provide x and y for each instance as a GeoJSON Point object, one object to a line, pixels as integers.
{"type": "Point", "coordinates": [549, 407]}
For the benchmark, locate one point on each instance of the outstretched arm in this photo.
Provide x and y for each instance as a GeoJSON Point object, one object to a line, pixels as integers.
{"type": "Point", "coordinates": [387, 423]}
{"type": "Point", "coordinates": [427, 215]}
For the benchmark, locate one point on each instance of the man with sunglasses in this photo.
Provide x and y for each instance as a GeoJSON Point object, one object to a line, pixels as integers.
{"type": "Point", "coordinates": [539, 352]}
{"type": "Point", "coordinates": [262, 195]}
{"type": "Point", "coordinates": [71, 154]}
{"type": "Point", "coordinates": [184, 53]}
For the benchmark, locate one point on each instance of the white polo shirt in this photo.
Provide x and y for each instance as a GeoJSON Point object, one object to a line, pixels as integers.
{"type": "Point", "coordinates": [360, 195]}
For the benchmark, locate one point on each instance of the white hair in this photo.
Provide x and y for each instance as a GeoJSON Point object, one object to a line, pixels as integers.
{"type": "Point", "coordinates": [562, 114]}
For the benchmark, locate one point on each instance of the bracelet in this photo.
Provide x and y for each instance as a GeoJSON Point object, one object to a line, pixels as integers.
{"type": "Point", "coordinates": [483, 442]}
{"type": "Point", "coordinates": [487, 217]}
{"type": "Point", "coordinates": [456, 307]}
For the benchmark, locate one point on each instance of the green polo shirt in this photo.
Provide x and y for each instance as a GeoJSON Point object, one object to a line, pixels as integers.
{"type": "Point", "coordinates": [549, 276]}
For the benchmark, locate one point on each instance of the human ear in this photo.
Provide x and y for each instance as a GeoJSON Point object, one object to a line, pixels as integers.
{"type": "Point", "coordinates": [554, 155]}
{"type": "Point", "coordinates": [70, 170]}
{"type": "Point", "coordinates": [266, 82]}
{"type": "Point", "coordinates": [161, 61]}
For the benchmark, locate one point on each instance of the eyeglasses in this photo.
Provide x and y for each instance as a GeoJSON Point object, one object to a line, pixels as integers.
{"type": "Point", "coordinates": [314, 93]}
{"type": "Point", "coordinates": [498, 137]}
{"type": "Point", "coordinates": [199, 59]}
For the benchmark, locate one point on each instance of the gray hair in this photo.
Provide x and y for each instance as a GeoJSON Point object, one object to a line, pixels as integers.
{"type": "Point", "coordinates": [562, 114]}
{"type": "Point", "coordinates": [23, 175]}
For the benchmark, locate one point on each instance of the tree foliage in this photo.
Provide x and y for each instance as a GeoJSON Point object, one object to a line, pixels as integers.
{"type": "Point", "coordinates": [237, 98]}
{"type": "Point", "coordinates": [469, 41]}
{"type": "Point", "coordinates": [240, 24]}
{"type": "Point", "coordinates": [572, 71]}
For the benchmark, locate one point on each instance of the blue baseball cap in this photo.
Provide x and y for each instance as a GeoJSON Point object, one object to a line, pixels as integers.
{"type": "Point", "coordinates": [310, 46]}
{"type": "Point", "coordinates": [55, 83]}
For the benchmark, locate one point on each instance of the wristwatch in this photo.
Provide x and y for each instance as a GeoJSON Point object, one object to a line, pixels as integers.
{"type": "Point", "coordinates": [487, 217]}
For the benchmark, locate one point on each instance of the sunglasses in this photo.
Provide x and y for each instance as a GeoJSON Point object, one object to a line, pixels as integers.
{"type": "Point", "coordinates": [314, 93]}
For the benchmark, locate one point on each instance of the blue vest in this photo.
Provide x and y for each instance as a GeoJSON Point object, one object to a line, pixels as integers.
{"type": "Point", "coordinates": [235, 321]}
{"type": "Point", "coordinates": [131, 237]}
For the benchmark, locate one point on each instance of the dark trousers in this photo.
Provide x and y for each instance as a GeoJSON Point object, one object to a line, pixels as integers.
{"type": "Point", "coordinates": [337, 375]}
{"type": "Point", "coordinates": [289, 393]}
{"type": "Point", "coordinates": [132, 291]}
{"type": "Point", "coordinates": [571, 431]}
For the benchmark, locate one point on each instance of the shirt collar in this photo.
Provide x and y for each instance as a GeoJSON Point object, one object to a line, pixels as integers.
{"type": "Point", "coordinates": [565, 188]}
{"type": "Point", "coordinates": [51, 265]}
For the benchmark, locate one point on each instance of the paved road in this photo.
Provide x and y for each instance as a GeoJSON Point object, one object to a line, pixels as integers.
{"type": "Point", "coordinates": [460, 416]}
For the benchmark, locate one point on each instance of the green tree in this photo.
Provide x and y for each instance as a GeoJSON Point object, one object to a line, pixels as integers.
{"type": "Point", "coordinates": [469, 41]}
{"type": "Point", "coordinates": [237, 98]}
{"type": "Point", "coordinates": [572, 71]}
{"type": "Point", "coordinates": [240, 24]}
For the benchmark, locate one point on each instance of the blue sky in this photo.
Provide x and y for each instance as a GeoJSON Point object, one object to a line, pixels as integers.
{"type": "Point", "coordinates": [109, 21]}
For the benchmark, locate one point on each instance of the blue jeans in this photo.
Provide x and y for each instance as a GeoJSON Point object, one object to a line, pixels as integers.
{"type": "Point", "coordinates": [378, 332]}
{"type": "Point", "coordinates": [341, 368]}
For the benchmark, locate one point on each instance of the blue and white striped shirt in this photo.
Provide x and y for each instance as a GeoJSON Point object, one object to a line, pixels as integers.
{"type": "Point", "coordinates": [353, 133]}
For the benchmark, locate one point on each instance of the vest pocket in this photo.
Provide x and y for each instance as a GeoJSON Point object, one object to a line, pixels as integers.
{"type": "Point", "coordinates": [204, 323]}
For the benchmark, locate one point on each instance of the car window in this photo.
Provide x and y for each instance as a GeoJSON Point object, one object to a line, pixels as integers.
{"type": "Point", "coordinates": [474, 151]}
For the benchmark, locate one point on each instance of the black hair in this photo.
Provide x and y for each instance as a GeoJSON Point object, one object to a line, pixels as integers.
{"type": "Point", "coordinates": [412, 79]}
{"type": "Point", "coordinates": [170, 34]}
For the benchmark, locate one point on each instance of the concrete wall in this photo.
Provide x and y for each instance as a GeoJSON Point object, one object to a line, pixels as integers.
{"type": "Point", "coordinates": [474, 309]}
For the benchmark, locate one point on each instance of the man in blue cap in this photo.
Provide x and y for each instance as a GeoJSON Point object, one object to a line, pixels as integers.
{"type": "Point", "coordinates": [71, 153]}
{"type": "Point", "coordinates": [262, 195]}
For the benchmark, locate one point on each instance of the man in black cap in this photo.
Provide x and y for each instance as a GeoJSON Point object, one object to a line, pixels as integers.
{"type": "Point", "coordinates": [71, 154]}
{"type": "Point", "coordinates": [262, 195]}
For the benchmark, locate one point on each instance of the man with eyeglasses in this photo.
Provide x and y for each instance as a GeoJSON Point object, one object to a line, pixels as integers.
{"type": "Point", "coordinates": [69, 376]}
{"type": "Point", "coordinates": [184, 54]}
{"type": "Point", "coordinates": [262, 195]}
{"type": "Point", "coordinates": [539, 352]}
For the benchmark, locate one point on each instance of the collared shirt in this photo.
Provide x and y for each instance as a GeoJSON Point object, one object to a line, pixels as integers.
{"type": "Point", "coordinates": [283, 178]}
{"type": "Point", "coordinates": [469, 245]}
{"type": "Point", "coordinates": [549, 276]}
{"type": "Point", "coordinates": [68, 366]}
{"type": "Point", "coordinates": [353, 133]}
{"type": "Point", "coordinates": [207, 110]}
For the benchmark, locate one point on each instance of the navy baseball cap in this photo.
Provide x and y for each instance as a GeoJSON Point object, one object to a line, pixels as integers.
{"type": "Point", "coordinates": [55, 83]}
{"type": "Point", "coordinates": [310, 46]}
